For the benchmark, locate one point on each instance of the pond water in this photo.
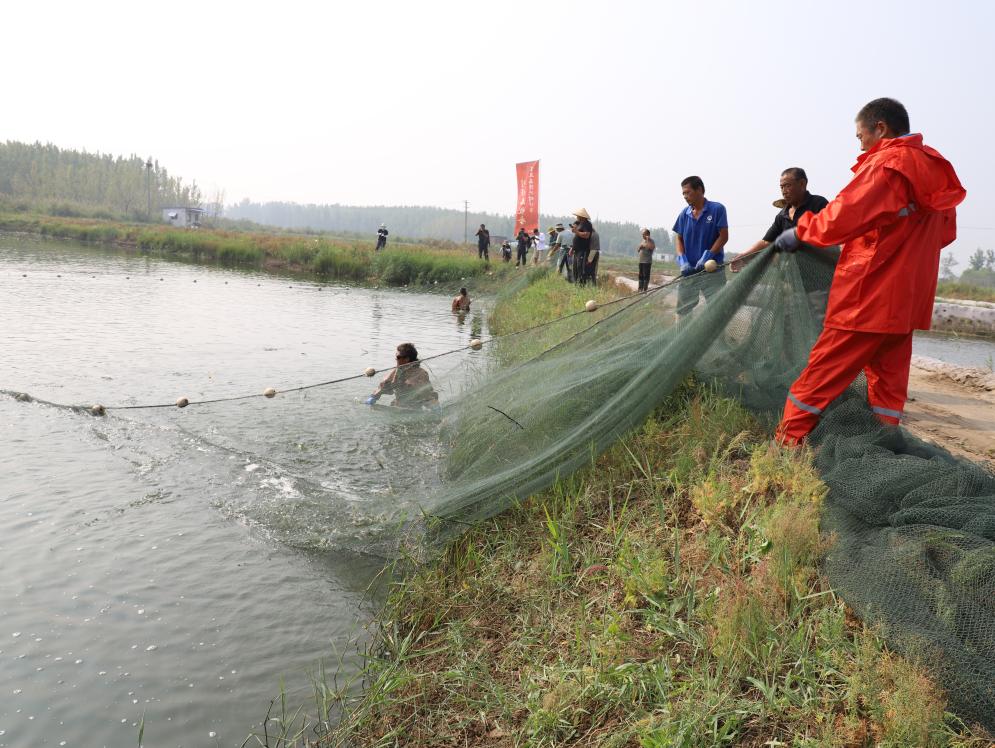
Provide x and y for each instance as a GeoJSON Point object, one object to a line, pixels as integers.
{"type": "Point", "coordinates": [174, 565]}
{"type": "Point", "coordinates": [962, 350]}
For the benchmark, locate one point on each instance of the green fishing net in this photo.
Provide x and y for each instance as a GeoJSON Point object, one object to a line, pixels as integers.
{"type": "Point", "coordinates": [915, 527]}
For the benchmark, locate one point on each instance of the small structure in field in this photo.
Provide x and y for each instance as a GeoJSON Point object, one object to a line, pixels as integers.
{"type": "Point", "coordinates": [186, 218]}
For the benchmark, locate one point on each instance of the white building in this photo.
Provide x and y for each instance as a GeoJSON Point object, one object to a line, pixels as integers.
{"type": "Point", "coordinates": [183, 217]}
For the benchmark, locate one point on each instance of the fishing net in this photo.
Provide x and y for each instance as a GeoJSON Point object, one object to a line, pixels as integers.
{"type": "Point", "coordinates": [914, 527]}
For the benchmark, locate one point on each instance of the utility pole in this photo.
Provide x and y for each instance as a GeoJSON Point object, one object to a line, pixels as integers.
{"type": "Point", "coordinates": [466, 209]}
{"type": "Point", "coordinates": [148, 187]}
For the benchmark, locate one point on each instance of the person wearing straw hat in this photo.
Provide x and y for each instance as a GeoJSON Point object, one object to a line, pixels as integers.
{"type": "Point", "coordinates": [408, 382]}
{"type": "Point", "coordinates": [795, 202]}
{"type": "Point", "coordinates": [382, 233]}
{"type": "Point", "coordinates": [582, 230]}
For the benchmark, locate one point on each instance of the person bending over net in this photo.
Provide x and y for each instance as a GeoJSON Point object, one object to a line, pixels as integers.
{"type": "Point", "coordinates": [408, 382]}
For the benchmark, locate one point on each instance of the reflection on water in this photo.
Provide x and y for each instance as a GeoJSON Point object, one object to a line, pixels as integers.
{"type": "Point", "coordinates": [176, 563]}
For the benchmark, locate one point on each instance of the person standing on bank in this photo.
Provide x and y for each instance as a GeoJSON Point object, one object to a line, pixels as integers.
{"type": "Point", "coordinates": [523, 248]}
{"type": "Point", "coordinates": [561, 245]}
{"type": "Point", "coordinates": [645, 252]}
{"type": "Point", "coordinates": [894, 217]}
{"type": "Point", "coordinates": [582, 230]}
{"type": "Point", "coordinates": [702, 231]}
{"type": "Point", "coordinates": [382, 237]}
{"type": "Point", "coordinates": [591, 268]}
{"type": "Point", "coordinates": [797, 202]}
{"type": "Point", "coordinates": [483, 243]}
{"type": "Point", "coordinates": [539, 242]}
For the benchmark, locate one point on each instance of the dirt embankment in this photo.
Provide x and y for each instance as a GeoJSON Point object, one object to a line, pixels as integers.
{"type": "Point", "coordinates": [954, 407]}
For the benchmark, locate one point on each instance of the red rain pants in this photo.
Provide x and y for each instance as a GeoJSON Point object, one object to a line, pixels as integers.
{"type": "Point", "coordinates": [835, 361]}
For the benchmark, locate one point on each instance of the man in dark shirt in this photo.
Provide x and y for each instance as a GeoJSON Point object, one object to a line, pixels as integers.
{"type": "Point", "coordinates": [582, 230]}
{"type": "Point", "coordinates": [483, 243]}
{"type": "Point", "coordinates": [797, 200]}
{"type": "Point", "coordinates": [523, 247]}
{"type": "Point", "coordinates": [382, 233]}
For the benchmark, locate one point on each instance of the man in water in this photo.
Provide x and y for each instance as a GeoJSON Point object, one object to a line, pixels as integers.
{"type": "Point", "coordinates": [483, 243]}
{"type": "Point", "coordinates": [382, 236]}
{"type": "Point", "coordinates": [894, 217]}
{"type": "Point", "coordinates": [797, 201]}
{"type": "Point", "coordinates": [461, 302]}
{"type": "Point", "coordinates": [408, 382]}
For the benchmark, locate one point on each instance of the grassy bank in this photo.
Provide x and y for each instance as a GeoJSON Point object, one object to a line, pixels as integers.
{"type": "Point", "coordinates": [327, 258]}
{"type": "Point", "coordinates": [955, 290]}
{"type": "Point", "coordinates": [669, 595]}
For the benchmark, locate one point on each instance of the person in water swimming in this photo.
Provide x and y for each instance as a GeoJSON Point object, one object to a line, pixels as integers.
{"type": "Point", "coordinates": [408, 382]}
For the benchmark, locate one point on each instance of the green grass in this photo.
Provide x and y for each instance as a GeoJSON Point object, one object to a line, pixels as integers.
{"type": "Point", "coordinates": [668, 596]}
{"type": "Point", "coordinates": [955, 290]}
{"type": "Point", "coordinates": [333, 259]}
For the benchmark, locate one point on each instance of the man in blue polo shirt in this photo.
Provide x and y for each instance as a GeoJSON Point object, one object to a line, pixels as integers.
{"type": "Point", "coordinates": [702, 231]}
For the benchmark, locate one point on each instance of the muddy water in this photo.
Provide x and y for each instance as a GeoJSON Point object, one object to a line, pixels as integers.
{"type": "Point", "coordinates": [176, 565]}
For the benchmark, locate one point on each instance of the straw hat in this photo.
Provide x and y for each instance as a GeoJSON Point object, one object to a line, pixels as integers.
{"type": "Point", "coordinates": [559, 227]}
{"type": "Point", "coordinates": [581, 213]}
{"type": "Point", "coordinates": [779, 203]}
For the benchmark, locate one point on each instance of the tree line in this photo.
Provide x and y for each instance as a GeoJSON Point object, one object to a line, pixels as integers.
{"type": "Point", "coordinates": [69, 182]}
{"type": "Point", "coordinates": [422, 222]}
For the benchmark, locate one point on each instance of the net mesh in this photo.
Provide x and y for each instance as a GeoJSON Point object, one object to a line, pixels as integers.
{"type": "Point", "coordinates": [915, 527]}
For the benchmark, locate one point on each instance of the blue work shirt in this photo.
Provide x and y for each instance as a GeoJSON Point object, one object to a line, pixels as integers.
{"type": "Point", "coordinates": [699, 234]}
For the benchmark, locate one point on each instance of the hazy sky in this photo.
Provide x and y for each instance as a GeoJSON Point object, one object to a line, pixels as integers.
{"type": "Point", "coordinates": [430, 103]}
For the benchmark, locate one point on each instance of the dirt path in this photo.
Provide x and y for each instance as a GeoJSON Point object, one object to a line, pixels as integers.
{"type": "Point", "coordinates": [958, 415]}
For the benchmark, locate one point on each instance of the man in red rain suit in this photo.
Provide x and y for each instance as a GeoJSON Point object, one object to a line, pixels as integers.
{"type": "Point", "coordinates": [893, 219]}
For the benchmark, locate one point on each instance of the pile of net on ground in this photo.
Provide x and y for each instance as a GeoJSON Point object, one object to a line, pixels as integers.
{"type": "Point", "coordinates": [915, 548]}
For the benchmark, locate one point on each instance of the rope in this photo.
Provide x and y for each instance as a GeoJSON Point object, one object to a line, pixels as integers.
{"type": "Point", "coordinates": [100, 409]}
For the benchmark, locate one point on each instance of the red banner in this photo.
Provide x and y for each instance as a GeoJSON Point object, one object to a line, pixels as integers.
{"type": "Point", "coordinates": [527, 210]}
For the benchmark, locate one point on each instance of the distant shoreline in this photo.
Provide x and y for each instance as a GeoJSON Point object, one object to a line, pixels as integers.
{"type": "Point", "coordinates": [321, 257]}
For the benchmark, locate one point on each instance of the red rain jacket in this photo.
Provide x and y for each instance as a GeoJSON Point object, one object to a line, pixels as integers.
{"type": "Point", "coordinates": [892, 220]}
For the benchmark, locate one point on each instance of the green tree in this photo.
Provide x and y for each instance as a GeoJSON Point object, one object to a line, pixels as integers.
{"type": "Point", "coordinates": [947, 264]}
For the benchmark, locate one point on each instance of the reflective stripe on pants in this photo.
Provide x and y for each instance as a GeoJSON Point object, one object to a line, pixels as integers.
{"type": "Point", "coordinates": [837, 357]}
